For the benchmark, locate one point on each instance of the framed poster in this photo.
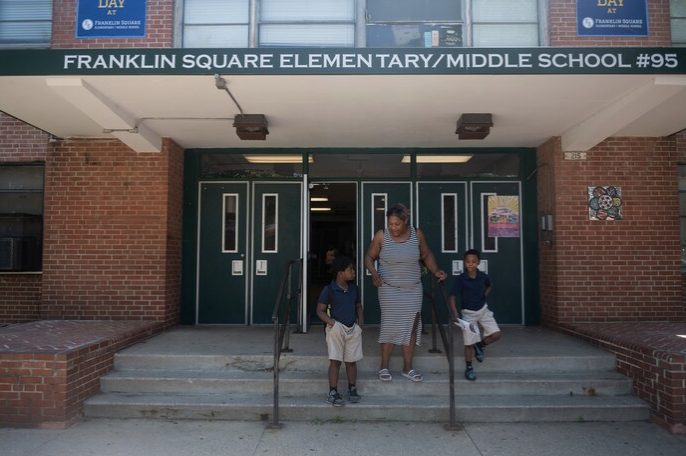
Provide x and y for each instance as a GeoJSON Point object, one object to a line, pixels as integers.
{"type": "Point", "coordinates": [612, 17]}
{"type": "Point", "coordinates": [503, 216]}
{"type": "Point", "coordinates": [110, 18]}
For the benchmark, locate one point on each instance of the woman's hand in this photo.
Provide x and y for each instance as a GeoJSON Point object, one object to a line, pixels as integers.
{"type": "Point", "coordinates": [376, 279]}
{"type": "Point", "coordinates": [440, 275]}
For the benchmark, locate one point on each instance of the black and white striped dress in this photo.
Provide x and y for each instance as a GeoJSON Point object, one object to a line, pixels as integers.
{"type": "Point", "coordinates": [400, 297]}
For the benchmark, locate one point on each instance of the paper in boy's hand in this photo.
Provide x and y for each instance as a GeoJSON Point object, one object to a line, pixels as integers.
{"type": "Point", "coordinates": [466, 326]}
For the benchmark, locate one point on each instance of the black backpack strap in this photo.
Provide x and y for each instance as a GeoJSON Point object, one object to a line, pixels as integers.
{"type": "Point", "coordinates": [330, 300]}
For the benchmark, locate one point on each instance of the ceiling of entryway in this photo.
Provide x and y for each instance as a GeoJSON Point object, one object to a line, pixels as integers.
{"type": "Point", "coordinates": [306, 111]}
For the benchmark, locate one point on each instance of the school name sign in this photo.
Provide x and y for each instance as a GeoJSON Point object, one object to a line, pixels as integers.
{"type": "Point", "coordinates": [345, 61]}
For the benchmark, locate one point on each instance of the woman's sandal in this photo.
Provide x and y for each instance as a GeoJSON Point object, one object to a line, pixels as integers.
{"type": "Point", "coordinates": [413, 375]}
{"type": "Point", "coordinates": [385, 375]}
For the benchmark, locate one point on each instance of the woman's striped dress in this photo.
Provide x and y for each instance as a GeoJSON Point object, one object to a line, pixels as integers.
{"type": "Point", "coordinates": [400, 297]}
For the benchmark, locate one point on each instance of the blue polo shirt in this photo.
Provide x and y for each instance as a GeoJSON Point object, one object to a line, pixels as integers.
{"type": "Point", "coordinates": [471, 291]}
{"type": "Point", "coordinates": [343, 303]}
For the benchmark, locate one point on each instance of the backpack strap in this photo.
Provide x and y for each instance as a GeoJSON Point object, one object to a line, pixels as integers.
{"type": "Point", "coordinates": [330, 300]}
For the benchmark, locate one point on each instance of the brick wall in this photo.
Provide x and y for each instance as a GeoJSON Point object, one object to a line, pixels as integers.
{"type": "Point", "coordinates": [45, 378]}
{"type": "Point", "coordinates": [563, 31]}
{"type": "Point", "coordinates": [20, 293]}
{"type": "Point", "coordinates": [603, 271]}
{"type": "Point", "coordinates": [112, 232]}
{"type": "Point", "coordinates": [159, 28]}
{"type": "Point", "coordinates": [652, 356]}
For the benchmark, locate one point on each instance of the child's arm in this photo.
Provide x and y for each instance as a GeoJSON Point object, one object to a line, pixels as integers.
{"type": "Point", "coordinates": [360, 314]}
{"type": "Point", "coordinates": [321, 313]}
{"type": "Point", "coordinates": [453, 309]}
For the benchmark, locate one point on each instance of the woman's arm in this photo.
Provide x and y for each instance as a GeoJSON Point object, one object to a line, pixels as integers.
{"type": "Point", "coordinates": [372, 255]}
{"type": "Point", "coordinates": [428, 258]}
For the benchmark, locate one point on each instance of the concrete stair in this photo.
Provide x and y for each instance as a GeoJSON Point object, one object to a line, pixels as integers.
{"type": "Point", "coordinates": [509, 388]}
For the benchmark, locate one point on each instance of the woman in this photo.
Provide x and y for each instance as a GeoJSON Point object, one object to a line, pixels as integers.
{"type": "Point", "coordinates": [399, 249]}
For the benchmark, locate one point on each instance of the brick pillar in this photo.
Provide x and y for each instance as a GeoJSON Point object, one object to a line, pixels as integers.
{"type": "Point", "coordinates": [112, 232]}
{"type": "Point", "coordinates": [611, 271]}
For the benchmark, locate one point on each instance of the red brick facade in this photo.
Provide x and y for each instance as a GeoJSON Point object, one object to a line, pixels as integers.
{"type": "Point", "coordinates": [112, 238]}
{"type": "Point", "coordinates": [603, 271]}
{"type": "Point", "coordinates": [112, 232]}
{"type": "Point", "coordinates": [45, 380]}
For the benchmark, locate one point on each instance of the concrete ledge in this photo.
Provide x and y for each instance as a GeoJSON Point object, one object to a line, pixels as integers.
{"type": "Point", "coordinates": [653, 355]}
{"type": "Point", "coordinates": [49, 368]}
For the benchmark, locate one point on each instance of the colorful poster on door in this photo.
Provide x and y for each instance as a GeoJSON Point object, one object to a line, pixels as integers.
{"type": "Point", "coordinates": [503, 216]}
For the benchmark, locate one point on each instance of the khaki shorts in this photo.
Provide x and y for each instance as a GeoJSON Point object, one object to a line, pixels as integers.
{"type": "Point", "coordinates": [344, 343]}
{"type": "Point", "coordinates": [483, 318]}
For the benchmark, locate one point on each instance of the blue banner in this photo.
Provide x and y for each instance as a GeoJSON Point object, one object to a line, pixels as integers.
{"type": "Point", "coordinates": [110, 18]}
{"type": "Point", "coordinates": [612, 17]}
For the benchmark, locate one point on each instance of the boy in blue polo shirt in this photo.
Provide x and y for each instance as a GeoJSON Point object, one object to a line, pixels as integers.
{"type": "Point", "coordinates": [473, 287]}
{"type": "Point", "coordinates": [340, 307]}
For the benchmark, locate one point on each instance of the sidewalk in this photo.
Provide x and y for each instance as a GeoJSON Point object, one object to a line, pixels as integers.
{"type": "Point", "coordinates": [229, 438]}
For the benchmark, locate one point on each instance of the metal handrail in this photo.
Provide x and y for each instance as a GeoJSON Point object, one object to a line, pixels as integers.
{"type": "Point", "coordinates": [282, 329]}
{"type": "Point", "coordinates": [448, 345]}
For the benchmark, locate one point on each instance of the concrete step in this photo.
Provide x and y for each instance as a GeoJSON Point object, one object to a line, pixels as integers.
{"type": "Point", "coordinates": [235, 381]}
{"type": "Point", "coordinates": [424, 362]}
{"type": "Point", "coordinates": [226, 373]}
{"type": "Point", "coordinates": [472, 409]}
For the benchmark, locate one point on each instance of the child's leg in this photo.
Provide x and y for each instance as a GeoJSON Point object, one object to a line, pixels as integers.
{"type": "Point", "coordinates": [334, 367]}
{"type": "Point", "coordinates": [488, 340]}
{"type": "Point", "coordinates": [468, 353]}
{"type": "Point", "coordinates": [489, 327]}
{"type": "Point", "coordinates": [351, 372]}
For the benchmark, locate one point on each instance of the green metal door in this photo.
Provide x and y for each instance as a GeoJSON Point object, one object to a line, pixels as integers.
{"type": "Point", "coordinates": [222, 248]}
{"type": "Point", "coordinates": [442, 217]}
{"type": "Point", "coordinates": [496, 216]}
{"type": "Point", "coordinates": [276, 239]}
{"type": "Point", "coordinates": [377, 198]}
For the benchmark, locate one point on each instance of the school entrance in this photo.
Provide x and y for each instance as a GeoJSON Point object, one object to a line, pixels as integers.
{"type": "Point", "coordinates": [245, 220]}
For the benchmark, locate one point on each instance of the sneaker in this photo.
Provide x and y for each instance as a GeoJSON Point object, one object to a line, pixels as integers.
{"type": "Point", "coordinates": [353, 396]}
{"type": "Point", "coordinates": [334, 398]}
{"type": "Point", "coordinates": [469, 373]}
{"type": "Point", "coordinates": [479, 353]}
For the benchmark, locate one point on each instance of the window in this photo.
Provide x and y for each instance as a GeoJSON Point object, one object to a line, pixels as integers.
{"type": "Point", "coordinates": [307, 23]}
{"type": "Point", "coordinates": [678, 19]}
{"type": "Point", "coordinates": [230, 221]}
{"type": "Point", "coordinates": [682, 213]}
{"type": "Point", "coordinates": [270, 223]}
{"type": "Point", "coordinates": [25, 23]}
{"type": "Point", "coordinates": [414, 23]}
{"type": "Point", "coordinates": [504, 23]}
{"type": "Point", "coordinates": [215, 23]}
{"type": "Point", "coordinates": [449, 223]}
{"type": "Point", "coordinates": [21, 218]}
{"type": "Point", "coordinates": [360, 23]}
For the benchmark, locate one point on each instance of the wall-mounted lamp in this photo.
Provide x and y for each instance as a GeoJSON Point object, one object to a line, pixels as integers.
{"type": "Point", "coordinates": [474, 126]}
{"type": "Point", "coordinates": [251, 126]}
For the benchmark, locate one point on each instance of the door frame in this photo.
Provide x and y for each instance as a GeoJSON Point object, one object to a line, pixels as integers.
{"type": "Point", "coordinates": [522, 231]}
{"type": "Point", "coordinates": [246, 238]}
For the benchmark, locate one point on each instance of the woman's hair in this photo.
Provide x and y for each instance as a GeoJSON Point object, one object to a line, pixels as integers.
{"type": "Point", "coordinates": [400, 211]}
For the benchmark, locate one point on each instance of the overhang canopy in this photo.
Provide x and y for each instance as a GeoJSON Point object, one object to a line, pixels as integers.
{"type": "Point", "coordinates": [315, 98]}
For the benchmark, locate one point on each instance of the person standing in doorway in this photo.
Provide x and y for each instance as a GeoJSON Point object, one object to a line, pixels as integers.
{"type": "Point", "coordinates": [340, 308]}
{"type": "Point", "coordinates": [473, 287]}
{"type": "Point", "coordinates": [399, 249]}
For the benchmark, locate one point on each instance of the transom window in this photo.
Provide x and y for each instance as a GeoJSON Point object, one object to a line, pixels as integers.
{"type": "Point", "coordinates": [25, 23]}
{"type": "Point", "coordinates": [360, 23]}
